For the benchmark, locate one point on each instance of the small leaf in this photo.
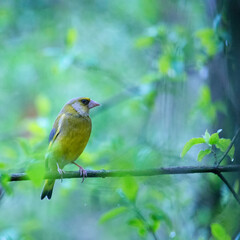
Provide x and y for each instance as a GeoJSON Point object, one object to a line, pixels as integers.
{"type": "Point", "coordinates": [130, 188]}
{"type": "Point", "coordinates": [135, 222]}
{"type": "Point", "coordinates": [214, 138]}
{"type": "Point", "coordinates": [2, 165]}
{"type": "Point", "coordinates": [191, 143]}
{"type": "Point", "coordinates": [203, 153]}
{"type": "Point", "coordinates": [164, 64]}
{"type": "Point", "coordinates": [149, 99]}
{"type": "Point", "coordinates": [218, 232]}
{"type": "Point", "coordinates": [223, 144]}
{"type": "Point", "coordinates": [159, 214]}
{"type": "Point", "coordinates": [36, 173]}
{"type": "Point", "coordinates": [112, 214]}
{"type": "Point", "coordinates": [71, 37]}
{"type": "Point", "coordinates": [144, 42]}
{"type": "Point", "coordinates": [219, 130]}
{"type": "Point", "coordinates": [142, 232]}
{"type": "Point", "coordinates": [4, 180]}
{"type": "Point", "coordinates": [155, 225]}
{"type": "Point", "coordinates": [208, 40]}
{"type": "Point", "coordinates": [206, 136]}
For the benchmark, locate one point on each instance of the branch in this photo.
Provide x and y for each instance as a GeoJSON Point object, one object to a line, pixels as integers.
{"type": "Point", "coordinates": [136, 173]}
{"type": "Point", "coordinates": [229, 186]}
{"type": "Point", "coordinates": [229, 147]}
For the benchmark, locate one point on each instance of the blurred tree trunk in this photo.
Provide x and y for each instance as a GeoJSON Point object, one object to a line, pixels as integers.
{"type": "Point", "coordinates": [233, 68]}
{"type": "Point", "coordinates": [224, 76]}
{"type": "Point", "coordinates": [233, 61]}
{"type": "Point", "coordinates": [224, 71]}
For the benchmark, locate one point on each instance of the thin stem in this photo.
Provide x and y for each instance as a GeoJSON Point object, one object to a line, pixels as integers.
{"type": "Point", "coordinates": [214, 154]}
{"type": "Point", "coordinates": [229, 147]}
{"type": "Point", "coordinates": [142, 218]}
{"type": "Point", "coordinates": [229, 187]}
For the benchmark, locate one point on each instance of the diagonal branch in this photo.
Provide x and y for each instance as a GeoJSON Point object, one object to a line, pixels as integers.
{"type": "Point", "coordinates": [229, 147]}
{"type": "Point", "coordinates": [229, 186]}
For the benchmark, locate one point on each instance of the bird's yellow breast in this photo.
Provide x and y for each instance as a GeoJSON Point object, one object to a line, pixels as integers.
{"type": "Point", "coordinates": [72, 139]}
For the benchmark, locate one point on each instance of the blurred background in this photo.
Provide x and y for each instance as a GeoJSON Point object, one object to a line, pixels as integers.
{"type": "Point", "coordinates": [164, 72]}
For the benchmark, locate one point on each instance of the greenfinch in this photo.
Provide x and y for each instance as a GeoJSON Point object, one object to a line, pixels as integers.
{"type": "Point", "coordinates": [68, 138]}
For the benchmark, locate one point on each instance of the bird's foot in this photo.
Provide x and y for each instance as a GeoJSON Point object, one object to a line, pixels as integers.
{"type": "Point", "coordinates": [82, 171]}
{"type": "Point", "coordinates": [61, 172]}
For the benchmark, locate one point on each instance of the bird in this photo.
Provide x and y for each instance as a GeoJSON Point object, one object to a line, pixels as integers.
{"type": "Point", "coordinates": [68, 138]}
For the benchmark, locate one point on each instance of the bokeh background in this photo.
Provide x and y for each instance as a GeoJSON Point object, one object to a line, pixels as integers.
{"type": "Point", "coordinates": [164, 72]}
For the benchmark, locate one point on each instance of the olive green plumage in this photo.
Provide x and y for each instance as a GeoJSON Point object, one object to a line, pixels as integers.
{"type": "Point", "coordinates": [68, 138]}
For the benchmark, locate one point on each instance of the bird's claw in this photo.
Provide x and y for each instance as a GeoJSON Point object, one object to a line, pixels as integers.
{"type": "Point", "coordinates": [83, 173]}
{"type": "Point", "coordinates": [61, 172]}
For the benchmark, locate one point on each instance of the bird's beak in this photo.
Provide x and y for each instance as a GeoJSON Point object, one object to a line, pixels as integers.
{"type": "Point", "coordinates": [93, 104]}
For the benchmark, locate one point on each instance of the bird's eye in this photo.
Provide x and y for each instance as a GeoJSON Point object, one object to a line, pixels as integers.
{"type": "Point", "coordinates": [85, 101]}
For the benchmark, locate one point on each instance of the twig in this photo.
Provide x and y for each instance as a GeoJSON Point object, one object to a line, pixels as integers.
{"type": "Point", "coordinates": [225, 180]}
{"type": "Point", "coordinates": [143, 173]}
{"type": "Point", "coordinates": [144, 221]}
{"type": "Point", "coordinates": [229, 147]}
{"type": "Point", "coordinates": [229, 186]}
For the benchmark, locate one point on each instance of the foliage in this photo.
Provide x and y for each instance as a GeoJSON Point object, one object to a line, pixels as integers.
{"type": "Point", "coordinates": [219, 232]}
{"type": "Point", "coordinates": [147, 62]}
{"type": "Point", "coordinates": [211, 141]}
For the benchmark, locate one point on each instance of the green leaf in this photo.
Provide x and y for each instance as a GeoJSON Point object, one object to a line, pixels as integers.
{"type": "Point", "coordinates": [144, 42]}
{"type": "Point", "coordinates": [149, 99]}
{"type": "Point", "coordinates": [4, 180]}
{"type": "Point", "coordinates": [218, 232]}
{"type": "Point", "coordinates": [2, 165]}
{"type": "Point", "coordinates": [112, 214]}
{"type": "Point", "coordinates": [205, 98]}
{"type": "Point", "coordinates": [219, 130]}
{"type": "Point", "coordinates": [159, 214]}
{"type": "Point", "coordinates": [164, 64]}
{"type": "Point", "coordinates": [36, 173]}
{"type": "Point", "coordinates": [130, 188]}
{"type": "Point", "coordinates": [156, 221]}
{"type": "Point", "coordinates": [136, 222]}
{"type": "Point", "coordinates": [71, 37]}
{"type": "Point", "coordinates": [214, 138]}
{"type": "Point", "coordinates": [190, 144]}
{"type": "Point", "coordinates": [206, 136]}
{"type": "Point", "coordinates": [223, 144]}
{"type": "Point", "coordinates": [203, 153]}
{"type": "Point", "coordinates": [155, 225]}
{"type": "Point", "coordinates": [208, 40]}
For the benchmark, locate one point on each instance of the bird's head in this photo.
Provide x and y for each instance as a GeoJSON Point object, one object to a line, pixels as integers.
{"type": "Point", "coordinates": [79, 106]}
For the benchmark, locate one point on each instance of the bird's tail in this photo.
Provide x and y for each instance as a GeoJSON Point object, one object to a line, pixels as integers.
{"type": "Point", "coordinates": [47, 189]}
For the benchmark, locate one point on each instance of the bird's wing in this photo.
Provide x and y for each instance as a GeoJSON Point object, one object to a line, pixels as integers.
{"type": "Point", "coordinates": [54, 133]}
{"type": "Point", "coordinates": [56, 129]}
